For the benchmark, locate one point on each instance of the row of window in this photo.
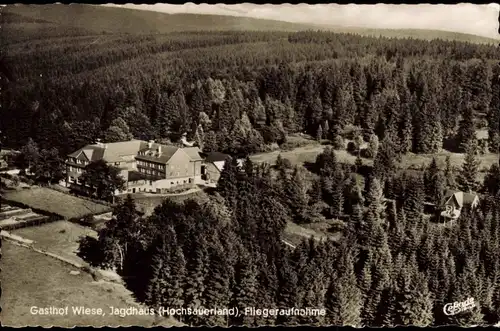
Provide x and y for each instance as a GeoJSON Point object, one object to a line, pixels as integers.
{"type": "Point", "coordinates": [75, 169]}
{"type": "Point", "coordinates": [77, 161]}
{"type": "Point", "coordinates": [151, 165]}
{"type": "Point", "coordinates": [74, 180]}
{"type": "Point", "coordinates": [149, 171]}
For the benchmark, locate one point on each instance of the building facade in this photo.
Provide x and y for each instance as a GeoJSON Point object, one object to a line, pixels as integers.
{"type": "Point", "coordinates": [145, 166]}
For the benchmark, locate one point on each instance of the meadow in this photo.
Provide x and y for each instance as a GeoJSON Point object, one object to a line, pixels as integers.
{"type": "Point", "coordinates": [54, 202]}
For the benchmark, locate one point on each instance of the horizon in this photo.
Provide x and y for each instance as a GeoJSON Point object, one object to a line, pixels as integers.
{"type": "Point", "coordinates": [479, 20]}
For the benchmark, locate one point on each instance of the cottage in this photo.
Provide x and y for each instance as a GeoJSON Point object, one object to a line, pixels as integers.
{"type": "Point", "coordinates": [454, 201]}
{"type": "Point", "coordinates": [213, 165]}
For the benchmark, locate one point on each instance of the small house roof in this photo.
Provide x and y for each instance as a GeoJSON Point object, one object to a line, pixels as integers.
{"type": "Point", "coordinates": [215, 157]}
{"type": "Point", "coordinates": [461, 198]}
{"type": "Point", "coordinates": [194, 153]}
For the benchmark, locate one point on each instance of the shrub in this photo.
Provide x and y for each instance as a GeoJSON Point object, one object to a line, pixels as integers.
{"type": "Point", "coordinates": [351, 148]}
{"type": "Point", "coordinates": [338, 142]}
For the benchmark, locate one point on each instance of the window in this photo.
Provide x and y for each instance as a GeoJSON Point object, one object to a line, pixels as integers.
{"type": "Point", "coordinates": [150, 182]}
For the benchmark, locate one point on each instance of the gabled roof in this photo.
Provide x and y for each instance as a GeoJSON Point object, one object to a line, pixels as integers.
{"type": "Point", "coordinates": [219, 165]}
{"type": "Point", "coordinates": [194, 153]}
{"type": "Point", "coordinates": [152, 153]}
{"type": "Point", "coordinates": [110, 152]}
{"type": "Point", "coordinates": [119, 151]}
{"type": "Point", "coordinates": [461, 198]}
{"type": "Point", "coordinates": [88, 153]}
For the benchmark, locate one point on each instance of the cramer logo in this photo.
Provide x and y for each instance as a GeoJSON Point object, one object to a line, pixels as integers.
{"type": "Point", "coordinates": [458, 307]}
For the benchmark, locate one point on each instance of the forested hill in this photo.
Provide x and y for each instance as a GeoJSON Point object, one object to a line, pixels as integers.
{"type": "Point", "coordinates": [99, 19]}
{"type": "Point", "coordinates": [247, 89]}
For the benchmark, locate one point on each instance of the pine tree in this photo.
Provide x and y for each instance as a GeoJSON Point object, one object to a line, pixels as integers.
{"type": "Point", "coordinates": [449, 175]}
{"type": "Point", "coordinates": [227, 185]}
{"type": "Point", "coordinates": [344, 298]}
{"type": "Point", "coordinates": [413, 205]}
{"type": "Point", "coordinates": [466, 131]}
{"type": "Point", "coordinates": [491, 183]}
{"type": "Point", "coordinates": [373, 146]}
{"type": "Point", "coordinates": [287, 294]}
{"type": "Point", "coordinates": [494, 115]}
{"type": "Point", "coordinates": [434, 183]}
{"type": "Point", "coordinates": [384, 164]}
{"type": "Point", "coordinates": [319, 133]}
{"type": "Point", "coordinates": [406, 131]}
{"type": "Point", "coordinates": [158, 284]}
{"type": "Point", "coordinates": [217, 288]}
{"type": "Point", "coordinates": [467, 178]}
{"type": "Point", "coordinates": [245, 294]}
{"type": "Point", "coordinates": [197, 268]}
{"type": "Point", "coordinates": [296, 194]}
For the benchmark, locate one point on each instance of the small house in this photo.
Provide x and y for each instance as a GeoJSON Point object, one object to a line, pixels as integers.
{"type": "Point", "coordinates": [212, 166]}
{"type": "Point", "coordinates": [455, 201]}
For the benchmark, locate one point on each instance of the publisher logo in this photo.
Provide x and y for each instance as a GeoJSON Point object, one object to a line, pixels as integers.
{"type": "Point", "coordinates": [457, 307]}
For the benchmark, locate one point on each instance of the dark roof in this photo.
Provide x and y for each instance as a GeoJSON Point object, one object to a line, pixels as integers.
{"type": "Point", "coordinates": [152, 153]}
{"type": "Point", "coordinates": [215, 156]}
{"type": "Point", "coordinates": [462, 198]}
{"type": "Point", "coordinates": [89, 152]}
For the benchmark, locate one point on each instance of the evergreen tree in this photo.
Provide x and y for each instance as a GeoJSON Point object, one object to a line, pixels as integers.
{"type": "Point", "coordinates": [434, 183]}
{"type": "Point", "coordinates": [296, 194]}
{"type": "Point", "coordinates": [319, 133]}
{"type": "Point", "coordinates": [467, 178]}
{"type": "Point", "coordinates": [344, 298]}
{"type": "Point", "coordinates": [384, 164]}
{"type": "Point", "coordinates": [466, 131]}
{"type": "Point", "coordinates": [491, 183]}
{"type": "Point", "coordinates": [217, 288]}
{"type": "Point", "coordinates": [227, 185]}
{"type": "Point", "coordinates": [197, 268]}
{"type": "Point", "coordinates": [373, 146]}
{"type": "Point", "coordinates": [245, 294]}
{"type": "Point", "coordinates": [449, 175]}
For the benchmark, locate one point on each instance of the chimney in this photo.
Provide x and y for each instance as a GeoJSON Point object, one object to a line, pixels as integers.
{"type": "Point", "coordinates": [150, 143]}
{"type": "Point", "coordinates": [98, 142]}
{"type": "Point", "coordinates": [159, 149]}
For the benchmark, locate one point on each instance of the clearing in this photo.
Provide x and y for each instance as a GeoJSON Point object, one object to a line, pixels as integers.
{"type": "Point", "coordinates": [60, 237]}
{"type": "Point", "coordinates": [33, 279]}
{"type": "Point", "coordinates": [54, 202]}
{"type": "Point", "coordinates": [412, 161]}
{"type": "Point", "coordinates": [295, 233]}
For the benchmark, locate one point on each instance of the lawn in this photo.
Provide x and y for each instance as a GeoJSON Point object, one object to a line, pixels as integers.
{"type": "Point", "coordinates": [295, 233]}
{"type": "Point", "coordinates": [409, 161]}
{"type": "Point", "coordinates": [51, 201]}
{"type": "Point", "coordinates": [33, 279]}
{"type": "Point", "coordinates": [60, 237]}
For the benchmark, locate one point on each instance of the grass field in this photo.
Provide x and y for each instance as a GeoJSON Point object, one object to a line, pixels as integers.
{"type": "Point", "coordinates": [60, 237]}
{"type": "Point", "coordinates": [55, 202]}
{"type": "Point", "coordinates": [410, 161]}
{"type": "Point", "coordinates": [295, 233]}
{"type": "Point", "coordinates": [33, 279]}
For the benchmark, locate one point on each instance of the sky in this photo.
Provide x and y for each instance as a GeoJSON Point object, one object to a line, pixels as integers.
{"type": "Point", "coordinates": [480, 20]}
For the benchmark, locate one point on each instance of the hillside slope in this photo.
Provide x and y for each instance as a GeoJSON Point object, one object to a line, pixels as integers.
{"type": "Point", "coordinates": [99, 19]}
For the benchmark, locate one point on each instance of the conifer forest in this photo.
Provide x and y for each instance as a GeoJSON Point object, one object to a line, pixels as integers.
{"type": "Point", "coordinates": [388, 257]}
